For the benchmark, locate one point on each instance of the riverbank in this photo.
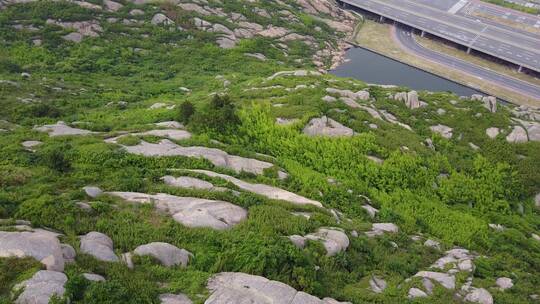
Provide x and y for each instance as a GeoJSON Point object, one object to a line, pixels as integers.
{"type": "Point", "coordinates": [378, 37]}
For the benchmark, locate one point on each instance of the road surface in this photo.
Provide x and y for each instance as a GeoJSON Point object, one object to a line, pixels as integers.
{"type": "Point", "coordinates": [407, 40]}
{"type": "Point", "coordinates": [516, 48]}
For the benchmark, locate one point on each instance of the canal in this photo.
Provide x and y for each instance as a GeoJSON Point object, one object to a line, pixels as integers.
{"type": "Point", "coordinates": [371, 67]}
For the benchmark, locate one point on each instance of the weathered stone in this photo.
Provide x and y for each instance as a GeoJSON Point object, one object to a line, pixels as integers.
{"type": "Point", "coordinates": [416, 293]}
{"type": "Point", "coordinates": [99, 246]}
{"type": "Point", "coordinates": [92, 191]}
{"type": "Point", "coordinates": [187, 182]}
{"type": "Point", "coordinates": [479, 295]}
{"type": "Point", "coordinates": [29, 144]}
{"type": "Point", "coordinates": [325, 126]}
{"type": "Point", "coordinates": [170, 124]}
{"type": "Point", "coordinates": [112, 6]}
{"type": "Point", "coordinates": [333, 239]}
{"type": "Point", "coordinates": [447, 281]}
{"type": "Point", "coordinates": [370, 210]}
{"type": "Point", "coordinates": [380, 228]}
{"type": "Point", "coordinates": [298, 240]}
{"type": "Point", "coordinates": [238, 288]}
{"type": "Point", "coordinates": [190, 211]}
{"type": "Point", "coordinates": [490, 103]}
{"type": "Point", "coordinates": [264, 190]}
{"type": "Point", "coordinates": [377, 284]}
{"type": "Point", "coordinates": [40, 245]}
{"type": "Point", "coordinates": [432, 244]}
{"type": "Point", "coordinates": [192, 7]}
{"type": "Point", "coordinates": [443, 130]}
{"type": "Point", "coordinates": [167, 254]}
{"type": "Point", "coordinates": [93, 277]}
{"type": "Point", "coordinates": [169, 298]}
{"type": "Point", "coordinates": [68, 253]}
{"type": "Point", "coordinates": [518, 135]}
{"type": "Point", "coordinates": [160, 18]}
{"type": "Point", "coordinates": [43, 285]}
{"type": "Point", "coordinates": [258, 56]}
{"type": "Point", "coordinates": [215, 156]}
{"type": "Point", "coordinates": [504, 283]}
{"type": "Point", "coordinates": [492, 132]}
{"type": "Point", "coordinates": [61, 129]}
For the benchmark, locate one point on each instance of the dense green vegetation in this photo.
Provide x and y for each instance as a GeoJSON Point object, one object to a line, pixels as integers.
{"type": "Point", "coordinates": [107, 84]}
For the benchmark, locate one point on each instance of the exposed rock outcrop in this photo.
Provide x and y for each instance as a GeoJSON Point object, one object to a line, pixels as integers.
{"type": "Point", "coordinates": [381, 228]}
{"type": "Point", "coordinates": [98, 245]}
{"type": "Point", "coordinates": [377, 285]}
{"type": "Point", "coordinates": [264, 190]}
{"type": "Point", "coordinates": [444, 131]}
{"type": "Point", "coordinates": [43, 285]}
{"type": "Point", "coordinates": [39, 244]}
{"type": "Point", "coordinates": [518, 135]}
{"type": "Point", "coordinates": [168, 255]}
{"type": "Point", "coordinates": [229, 287]}
{"type": "Point", "coordinates": [215, 156]}
{"type": "Point", "coordinates": [325, 126]}
{"type": "Point", "coordinates": [62, 129]}
{"type": "Point", "coordinates": [334, 240]}
{"type": "Point", "coordinates": [169, 298]}
{"type": "Point", "coordinates": [190, 211]}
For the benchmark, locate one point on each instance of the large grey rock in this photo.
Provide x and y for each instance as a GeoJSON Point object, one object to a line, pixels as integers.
{"type": "Point", "coordinates": [169, 133]}
{"type": "Point", "coordinates": [40, 245]}
{"type": "Point", "coordinates": [370, 210]}
{"type": "Point", "coordinates": [171, 124]}
{"type": "Point", "coordinates": [167, 254]}
{"type": "Point", "coordinates": [193, 7]}
{"type": "Point", "coordinates": [92, 191]}
{"type": "Point", "coordinates": [381, 228]}
{"type": "Point", "coordinates": [61, 129]}
{"type": "Point", "coordinates": [432, 244]}
{"type": "Point", "coordinates": [169, 298]}
{"type": "Point", "coordinates": [187, 182]}
{"type": "Point", "coordinates": [41, 287]}
{"type": "Point", "coordinates": [504, 283]}
{"type": "Point", "coordinates": [325, 126]}
{"type": "Point", "coordinates": [112, 6]}
{"type": "Point", "coordinates": [29, 144]}
{"type": "Point", "coordinates": [264, 190]}
{"type": "Point", "coordinates": [492, 132]}
{"type": "Point", "coordinates": [490, 103]}
{"type": "Point", "coordinates": [416, 293]}
{"type": "Point", "coordinates": [333, 239]}
{"type": "Point", "coordinates": [360, 95]}
{"type": "Point", "coordinates": [518, 135]}
{"type": "Point", "coordinates": [458, 258]}
{"type": "Point", "coordinates": [296, 73]}
{"type": "Point", "coordinates": [444, 131]}
{"type": "Point", "coordinates": [377, 284]}
{"type": "Point", "coordinates": [241, 288]}
{"type": "Point", "coordinates": [298, 241]}
{"type": "Point", "coordinates": [190, 211]}
{"type": "Point", "coordinates": [479, 295]}
{"type": "Point", "coordinates": [160, 18]}
{"type": "Point", "coordinates": [446, 280]}
{"type": "Point", "coordinates": [410, 99]}
{"type": "Point", "coordinates": [93, 277]}
{"type": "Point", "coordinates": [99, 246]}
{"type": "Point", "coordinates": [537, 200]}
{"type": "Point", "coordinates": [216, 156]}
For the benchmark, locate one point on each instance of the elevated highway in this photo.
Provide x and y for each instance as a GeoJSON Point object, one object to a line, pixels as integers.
{"type": "Point", "coordinates": [521, 50]}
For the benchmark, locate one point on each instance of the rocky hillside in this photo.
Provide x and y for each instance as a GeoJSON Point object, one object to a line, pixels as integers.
{"type": "Point", "coordinates": [198, 152]}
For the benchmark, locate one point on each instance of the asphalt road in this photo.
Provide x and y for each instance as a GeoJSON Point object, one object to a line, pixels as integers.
{"type": "Point", "coordinates": [510, 46]}
{"type": "Point", "coordinates": [405, 37]}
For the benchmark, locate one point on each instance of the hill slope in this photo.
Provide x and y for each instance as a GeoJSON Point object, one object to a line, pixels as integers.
{"type": "Point", "coordinates": [199, 152]}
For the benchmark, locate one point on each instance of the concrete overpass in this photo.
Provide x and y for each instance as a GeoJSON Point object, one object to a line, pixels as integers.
{"type": "Point", "coordinates": [518, 49]}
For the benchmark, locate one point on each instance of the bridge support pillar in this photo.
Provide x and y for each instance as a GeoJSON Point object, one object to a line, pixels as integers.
{"type": "Point", "coordinates": [423, 34]}
{"type": "Point", "coordinates": [520, 69]}
{"type": "Point", "coordinates": [381, 19]}
{"type": "Point", "coordinates": [468, 50]}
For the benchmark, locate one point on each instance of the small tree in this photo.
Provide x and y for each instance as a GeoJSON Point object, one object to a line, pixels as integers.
{"type": "Point", "coordinates": [186, 111]}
